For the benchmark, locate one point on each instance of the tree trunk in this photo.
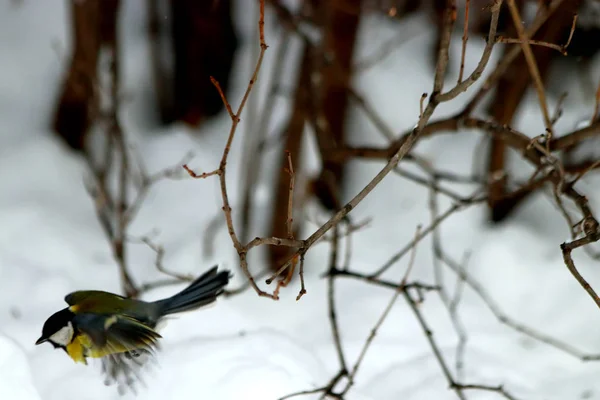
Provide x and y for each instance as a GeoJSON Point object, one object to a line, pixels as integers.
{"type": "Point", "coordinates": [93, 22]}
{"type": "Point", "coordinates": [204, 43]}
{"type": "Point", "coordinates": [340, 26]}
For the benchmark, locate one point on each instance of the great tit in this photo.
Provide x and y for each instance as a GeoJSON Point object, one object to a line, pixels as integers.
{"type": "Point", "coordinates": [104, 325]}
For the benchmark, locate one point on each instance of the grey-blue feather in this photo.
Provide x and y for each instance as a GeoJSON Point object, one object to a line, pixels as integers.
{"type": "Point", "coordinates": [201, 292]}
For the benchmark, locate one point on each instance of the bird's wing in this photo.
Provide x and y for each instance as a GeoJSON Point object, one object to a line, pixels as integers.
{"type": "Point", "coordinates": [77, 297]}
{"type": "Point", "coordinates": [108, 304]}
{"type": "Point", "coordinates": [116, 333]}
{"type": "Point", "coordinates": [95, 301]}
{"type": "Point", "coordinates": [129, 332]}
{"type": "Point", "coordinates": [123, 343]}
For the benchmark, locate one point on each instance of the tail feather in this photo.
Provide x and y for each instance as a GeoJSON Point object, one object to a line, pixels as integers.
{"type": "Point", "coordinates": [203, 291]}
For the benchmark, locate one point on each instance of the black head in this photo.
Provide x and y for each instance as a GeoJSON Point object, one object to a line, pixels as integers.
{"type": "Point", "coordinates": [58, 329]}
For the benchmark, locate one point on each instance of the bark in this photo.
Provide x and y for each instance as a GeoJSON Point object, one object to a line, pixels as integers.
{"type": "Point", "coordinates": [340, 25]}
{"type": "Point", "coordinates": [204, 43]}
{"type": "Point", "coordinates": [162, 71]}
{"type": "Point", "coordinates": [93, 22]}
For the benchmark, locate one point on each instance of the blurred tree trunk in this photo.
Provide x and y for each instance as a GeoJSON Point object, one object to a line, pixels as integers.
{"type": "Point", "coordinates": [93, 23]}
{"type": "Point", "coordinates": [340, 26]}
{"type": "Point", "coordinates": [204, 43]}
{"type": "Point", "coordinates": [161, 59]}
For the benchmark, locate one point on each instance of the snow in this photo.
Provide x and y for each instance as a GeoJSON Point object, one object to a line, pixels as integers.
{"type": "Point", "coordinates": [15, 374]}
{"type": "Point", "coordinates": [250, 347]}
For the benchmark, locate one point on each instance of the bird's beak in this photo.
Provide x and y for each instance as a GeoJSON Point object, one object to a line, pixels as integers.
{"type": "Point", "coordinates": [41, 340]}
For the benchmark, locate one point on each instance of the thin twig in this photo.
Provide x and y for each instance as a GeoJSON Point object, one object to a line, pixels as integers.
{"type": "Point", "coordinates": [421, 102]}
{"type": "Point", "coordinates": [532, 42]}
{"type": "Point", "coordinates": [158, 262]}
{"type": "Point", "coordinates": [567, 248]}
{"type": "Point", "coordinates": [303, 393]}
{"type": "Point", "coordinates": [202, 175]}
{"type": "Point", "coordinates": [346, 273]}
{"type": "Point", "coordinates": [510, 56]}
{"type": "Point", "coordinates": [558, 47]}
{"type": "Point", "coordinates": [382, 318]}
{"type": "Point", "coordinates": [302, 285]}
{"type": "Point", "coordinates": [451, 306]}
{"type": "Point", "coordinates": [596, 105]}
{"type": "Point", "coordinates": [256, 140]}
{"type": "Point", "coordinates": [571, 32]}
{"type": "Point", "coordinates": [483, 61]}
{"type": "Point", "coordinates": [290, 211]}
{"type": "Point", "coordinates": [465, 38]}
{"type": "Point", "coordinates": [505, 319]}
{"type": "Point", "coordinates": [450, 211]}
{"type": "Point", "coordinates": [497, 389]}
{"type": "Point", "coordinates": [331, 304]}
{"type": "Point", "coordinates": [434, 347]}
{"type": "Point", "coordinates": [221, 172]}
{"type": "Point", "coordinates": [531, 64]}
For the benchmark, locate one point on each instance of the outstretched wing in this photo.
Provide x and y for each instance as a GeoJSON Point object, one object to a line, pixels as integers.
{"type": "Point", "coordinates": [123, 343]}
{"type": "Point", "coordinates": [116, 334]}
{"type": "Point", "coordinates": [124, 370]}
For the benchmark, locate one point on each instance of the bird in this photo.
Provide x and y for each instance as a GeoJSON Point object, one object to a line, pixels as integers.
{"type": "Point", "coordinates": [117, 329]}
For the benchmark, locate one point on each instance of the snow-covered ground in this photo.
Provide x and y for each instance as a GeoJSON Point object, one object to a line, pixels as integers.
{"type": "Point", "coordinates": [254, 348]}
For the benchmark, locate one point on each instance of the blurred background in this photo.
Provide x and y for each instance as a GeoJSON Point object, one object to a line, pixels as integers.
{"type": "Point", "coordinates": [104, 101]}
{"type": "Point", "coordinates": [182, 44]}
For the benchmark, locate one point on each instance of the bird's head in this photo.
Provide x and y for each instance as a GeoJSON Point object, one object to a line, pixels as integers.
{"type": "Point", "coordinates": [58, 329]}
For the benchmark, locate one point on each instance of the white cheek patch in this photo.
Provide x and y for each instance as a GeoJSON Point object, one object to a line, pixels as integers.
{"type": "Point", "coordinates": [64, 336]}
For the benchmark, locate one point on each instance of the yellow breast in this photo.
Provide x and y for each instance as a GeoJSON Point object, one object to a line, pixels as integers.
{"type": "Point", "coordinates": [76, 350]}
{"type": "Point", "coordinates": [82, 347]}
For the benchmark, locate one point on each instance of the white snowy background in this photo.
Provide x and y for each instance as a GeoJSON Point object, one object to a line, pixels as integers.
{"type": "Point", "coordinates": [248, 347]}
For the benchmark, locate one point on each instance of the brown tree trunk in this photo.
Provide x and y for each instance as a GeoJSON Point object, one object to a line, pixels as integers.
{"type": "Point", "coordinates": [162, 71]}
{"type": "Point", "coordinates": [340, 25]}
{"type": "Point", "coordinates": [93, 22]}
{"type": "Point", "coordinates": [204, 43]}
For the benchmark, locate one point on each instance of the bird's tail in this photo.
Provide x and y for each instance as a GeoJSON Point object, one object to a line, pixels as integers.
{"type": "Point", "coordinates": [203, 291]}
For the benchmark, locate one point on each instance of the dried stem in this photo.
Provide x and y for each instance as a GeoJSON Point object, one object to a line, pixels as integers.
{"type": "Point", "coordinates": [560, 48]}
{"type": "Point", "coordinates": [335, 330]}
{"type": "Point", "coordinates": [451, 210]}
{"type": "Point", "coordinates": [596, 106]}
{"type": "Point", "coordinates": [465, 38]}
{"type": "Point", "coordinates": [502, 66]}
{"type": "Point", "coordinates": [382, 318]}
{"type": "Point", "coordinates": [531, 64]}
{"type": "Point", "coordinates": [290, 218]}
{"type": "Point", "coordinates": [434, 347]}
{"type": "Point", "coordinates": [567, 248]}
{"type": "Point", "coordinates": [221, 172]}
